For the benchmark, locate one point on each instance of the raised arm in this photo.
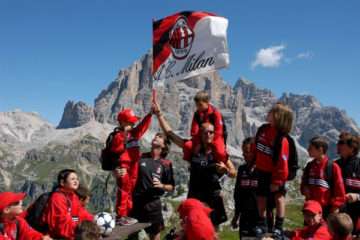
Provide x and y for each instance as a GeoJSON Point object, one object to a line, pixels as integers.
{"type": "Point", "coordinates": [166, 127]}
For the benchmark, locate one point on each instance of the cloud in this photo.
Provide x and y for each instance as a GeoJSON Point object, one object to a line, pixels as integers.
{"type": "Point", "coordinates": [305, 55]}
{"type": "Point", "coordinates": [269, 57]}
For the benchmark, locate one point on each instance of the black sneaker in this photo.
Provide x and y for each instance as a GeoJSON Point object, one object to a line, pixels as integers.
{"type": "Point", "coordinates": [259, 231]}
{"type": "Point", "coordinates": [278, 234]}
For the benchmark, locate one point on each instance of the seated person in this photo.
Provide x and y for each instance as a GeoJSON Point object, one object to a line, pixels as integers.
{"type": "Point", "coordinates": [316, 227]}
{"type": "Point", "coordinates": [64, 210]}
{"type": "Point", "coordinates": [12, 226]}
{"type": "Point", "coordinates": [205, 112]}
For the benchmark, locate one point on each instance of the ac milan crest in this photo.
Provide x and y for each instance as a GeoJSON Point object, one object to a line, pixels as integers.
{"type": "Point", "coordinates": [181, 38]}
{"type": "Point", "coordinates": [187, 44]}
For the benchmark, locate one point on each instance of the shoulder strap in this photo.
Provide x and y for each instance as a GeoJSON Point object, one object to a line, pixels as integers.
{"type": "Point", "coordinates": [17, 229]}
{"type": "Point", "coordinates": [197, 118]}
{"type": "Point", "coordinates": [329, 172]}
{"type": "Point", "coordinates": [306, 170]}
{"type": "Point", "coordinates": [111, 136]}
{"type": "Point", "coordinates": [260, 129]}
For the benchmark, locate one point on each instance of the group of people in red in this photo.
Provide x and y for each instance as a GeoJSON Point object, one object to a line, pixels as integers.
{"type": "Point", "coordinates": [60, 218]}
{"type": "Point", "coordinates": [331, 188]}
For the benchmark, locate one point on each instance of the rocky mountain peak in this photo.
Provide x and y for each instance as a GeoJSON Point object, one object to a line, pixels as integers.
{"type": "Point", "coordinates": [76, 114]}
{"type": "Point", "coordinates": [17, 126]}
{"type": "Point", "coordinates": [297, 101]}
{"type": "Point", "coordinates": [254, 96]}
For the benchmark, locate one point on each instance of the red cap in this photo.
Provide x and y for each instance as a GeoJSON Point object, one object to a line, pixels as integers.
{"type": "Point", "coordinates": [127, 115]}
{"type": "Point", "coordinates": [7, 198]}
{"type": "Point", "coordinates": [312, 206]}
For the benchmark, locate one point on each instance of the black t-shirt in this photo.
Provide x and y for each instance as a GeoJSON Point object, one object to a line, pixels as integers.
{"type": "Point", "coordinates": [350, 169]}
{"type": "Point", "coordinates": [203, 175]}
{"type": "Point", "coordinates": [149, 169]}
{"type": "Point", "coordinates": [245, 189]}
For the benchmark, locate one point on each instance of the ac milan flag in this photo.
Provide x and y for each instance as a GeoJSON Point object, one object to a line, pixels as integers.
{"type": "Point", "coordinates": [188, 44]}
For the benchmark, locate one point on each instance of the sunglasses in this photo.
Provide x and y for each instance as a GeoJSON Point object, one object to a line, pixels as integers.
{"type": "Point", "coordinates": [209, 132]}
{"type": "Point", "coordinates": [343, 142]}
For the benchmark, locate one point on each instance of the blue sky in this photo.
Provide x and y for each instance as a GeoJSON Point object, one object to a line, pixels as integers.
{"type": "Point", "coordinates": [54, 51]}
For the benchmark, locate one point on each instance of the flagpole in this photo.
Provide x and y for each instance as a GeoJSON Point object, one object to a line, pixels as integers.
{"type": "Point", "coordinates": [152, 64]}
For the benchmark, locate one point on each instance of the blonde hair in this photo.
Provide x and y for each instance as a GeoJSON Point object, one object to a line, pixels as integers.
{"type": "Point", "coordinates": [283, 117]}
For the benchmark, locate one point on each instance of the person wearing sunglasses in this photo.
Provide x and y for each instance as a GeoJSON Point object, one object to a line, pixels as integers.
{"type": "Point", "coordinates": [349, 162]}
{"type": "Point", "coordinates": [205, 169]}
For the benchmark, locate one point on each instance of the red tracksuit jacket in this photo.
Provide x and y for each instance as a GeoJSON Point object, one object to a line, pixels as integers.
{"type": "Point", "coordinates": [130, 151]}
{"type": "Point", "coordinates": [63, 213]}
{"type": "Point", "coordinates": [23, 230]}
{"type": "Point", "coordinates": [264, 152]}
{"type": "Point", "coordinates": [219, 147]}
{"type": "Point", "coordinates": [320, 232]}
{"type": "Point", "coordinates": [319, 188]}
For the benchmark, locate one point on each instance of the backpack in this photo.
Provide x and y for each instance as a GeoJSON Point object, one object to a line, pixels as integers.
{"type": "Point", "coordinates": [35, 212]}
{"type": "Point", "coordinates": [293, 160]}
{"type": "Point", "coordinates": [212, 121]}
{"type": "Point", "coordinates": [108, 158]}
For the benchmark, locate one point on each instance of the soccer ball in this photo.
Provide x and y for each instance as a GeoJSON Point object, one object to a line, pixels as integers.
{"type": "Point", "coordinates": [105, 222]}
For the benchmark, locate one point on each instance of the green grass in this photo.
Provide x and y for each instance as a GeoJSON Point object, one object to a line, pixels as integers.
{"type": "Point", "coordinates": [293, 220]}
{"type": "Point", "coordinates": [229, 234]}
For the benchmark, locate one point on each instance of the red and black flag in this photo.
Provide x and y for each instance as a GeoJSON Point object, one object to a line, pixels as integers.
{"type": "Point", "coordinates": [187, 44]}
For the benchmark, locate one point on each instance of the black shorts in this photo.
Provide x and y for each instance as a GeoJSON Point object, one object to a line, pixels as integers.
{"type": "Point", "coordinates": [264, 182]}
{"type": "Point", "coordinates": [215, 201]}
{"type": "Point", "coordinates": [149, 211]}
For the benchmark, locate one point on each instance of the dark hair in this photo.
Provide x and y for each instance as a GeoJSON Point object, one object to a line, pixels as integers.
{"type": "Point", "coordinates": [83, 192]}
{"type": "Point", "coordinates": [351, 141]}
{"type": "Point", "coordinates": [87, 230]}
{"type": "Point", "coordinates": [64, 174]}
{"type": "Point", "coordinates": [202, 96]}
{"type": "Point", "coordinates": [249, 140]}
{"type": "Point", "coordinates": [340, 224]}
{"type": "Point", "coordinates": [165, 150]}
{"type": "Point", "coordinates": [319, 142]}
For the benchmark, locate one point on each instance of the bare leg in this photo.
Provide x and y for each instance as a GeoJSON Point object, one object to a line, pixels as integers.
{"type": "Point", "coordinates": [280, 205]}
